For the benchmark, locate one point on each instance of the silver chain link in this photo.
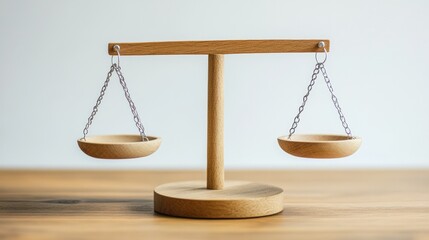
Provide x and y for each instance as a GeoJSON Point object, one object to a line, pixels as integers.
{"type": "Point", "coordinates": [100, 98]}
{"type": "Point", "coordinates": [335, 101]}
{"type": "Point", "coordinates": [133, 108]}
{"type": "Point", "coordinates": [320, 67]}
{"type": "Point", "coordinates": [304, 100]}
{"type": "Point", "coordinates": [137, 121]}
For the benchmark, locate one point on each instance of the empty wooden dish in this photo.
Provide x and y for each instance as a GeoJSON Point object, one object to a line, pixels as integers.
{"type": "Point", "coordinates": [118, 146]}
{"type": "Point", "coordinates": [319, 146]}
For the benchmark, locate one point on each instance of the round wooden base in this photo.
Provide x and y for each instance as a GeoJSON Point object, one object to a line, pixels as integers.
{"type": "Point", "coordinates": [237, 200]}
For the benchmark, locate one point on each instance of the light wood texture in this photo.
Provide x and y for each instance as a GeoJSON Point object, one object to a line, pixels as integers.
{"type": "Point", "coordinates": [238, 199]}
{"type": "Point", "coordinates": [319, 146]}
{"type": "Point", "coordinates": [219, 47]}
{"type": "Point", "coordinates": [118, 205]}
{"type": "Point", "coordinates": [118, 146]}
{"type": "Point", "coordinates": [215, 172]}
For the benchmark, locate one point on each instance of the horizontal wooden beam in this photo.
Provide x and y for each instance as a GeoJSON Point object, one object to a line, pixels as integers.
{"type": "Point", "coordinates": [219, 47]}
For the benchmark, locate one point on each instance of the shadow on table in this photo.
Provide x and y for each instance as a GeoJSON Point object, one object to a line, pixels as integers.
{"type": "Point", "coordinates": [76, 206]}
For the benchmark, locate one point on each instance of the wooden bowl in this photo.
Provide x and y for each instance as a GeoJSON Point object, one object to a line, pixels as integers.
{"type": "Point", "coordinates": [319, 146]}
{"type": "Point", "coordinates": [118, 146]}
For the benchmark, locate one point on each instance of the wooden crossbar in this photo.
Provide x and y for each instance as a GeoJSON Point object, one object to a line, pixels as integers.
{"type": "Point", "coordinates": [219, 47]}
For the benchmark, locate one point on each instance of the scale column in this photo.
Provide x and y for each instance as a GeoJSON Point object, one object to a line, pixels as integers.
{"type": "Point", "coordinates": [215, 169]}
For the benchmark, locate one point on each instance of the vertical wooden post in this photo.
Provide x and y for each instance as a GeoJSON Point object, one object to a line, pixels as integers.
{"type": "Point", "coordinates": [215, 170]}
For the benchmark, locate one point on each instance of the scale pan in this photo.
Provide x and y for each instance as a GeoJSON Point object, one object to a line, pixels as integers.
{"type": "Point", "coordinates": [118, 146]}
{"type": "Point", "coordinates": [319, 146]}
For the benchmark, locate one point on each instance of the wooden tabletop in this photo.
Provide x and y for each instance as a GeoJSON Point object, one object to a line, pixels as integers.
{"type": "Point", "coordinates": [118, 205]}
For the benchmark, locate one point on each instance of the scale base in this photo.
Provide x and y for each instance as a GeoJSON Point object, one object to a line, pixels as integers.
{"type": "Point", "coordinates": [238, 199]}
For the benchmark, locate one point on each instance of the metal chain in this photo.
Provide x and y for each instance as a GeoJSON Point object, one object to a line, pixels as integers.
{"type": "Point", "coordinates": [139, 125]}
{"type": "Point", "coordinates": [304, 100]}
{"type": "Point", "coordinates": [133, 108]}
{"type": "Point", "coordinates": [320, 67]}
{"type": "Point", "coordinates": [335, 101]}
{"type": "Point", "coordinates": [100, 98]}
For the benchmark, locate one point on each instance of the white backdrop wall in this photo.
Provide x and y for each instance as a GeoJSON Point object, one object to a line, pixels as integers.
{"type": "Point", "coordinates": [53, 62]}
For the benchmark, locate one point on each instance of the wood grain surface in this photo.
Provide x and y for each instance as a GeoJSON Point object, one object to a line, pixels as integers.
{"type": "Point", "coordinates": [118, 146]}
{"type": "Point", "coordinates": [319, 145]}
{"type": "Point", "coordinates": [118, 205]}
{"type": "Point", "coordinates": [215, 126]}
{"type": "Point", "coordinates": [219, 47]}
{"type": "Point", "coordinates": [238, 199]}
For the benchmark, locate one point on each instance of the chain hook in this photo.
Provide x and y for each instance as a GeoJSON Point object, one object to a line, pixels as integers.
{"type": "Point", "coordinates": [321, 45]}
{"type": "Point", "coordinates": [116, 48]}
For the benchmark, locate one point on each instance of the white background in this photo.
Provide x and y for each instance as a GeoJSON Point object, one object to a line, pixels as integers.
{"type": "Point", "coordinates": [53, 62]}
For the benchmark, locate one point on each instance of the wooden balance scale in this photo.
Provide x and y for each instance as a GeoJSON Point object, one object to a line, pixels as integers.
{"type": "Point", "coordinates": [215, 197]}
